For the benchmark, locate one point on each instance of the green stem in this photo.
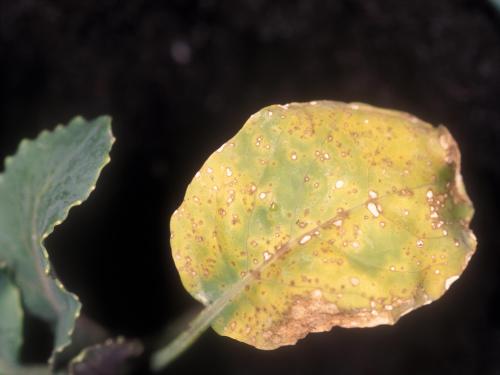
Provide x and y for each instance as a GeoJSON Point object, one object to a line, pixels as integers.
{"type": "Point", "coordinates": [163, 357]}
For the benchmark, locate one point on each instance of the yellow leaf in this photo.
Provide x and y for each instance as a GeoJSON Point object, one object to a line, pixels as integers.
{"type": "Point", "coordinates": [323, 214]}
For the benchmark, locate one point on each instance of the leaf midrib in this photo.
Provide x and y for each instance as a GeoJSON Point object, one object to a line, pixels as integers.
{"type": "Point", "coordinates": [253, 275]}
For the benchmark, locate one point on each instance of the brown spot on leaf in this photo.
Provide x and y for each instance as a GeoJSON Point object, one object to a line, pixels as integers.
{"type": "Point", "coordinates": [313, 314]}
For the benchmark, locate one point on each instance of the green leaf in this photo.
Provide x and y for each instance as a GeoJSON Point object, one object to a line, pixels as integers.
{"type": "Point", "coordinates": [321, 214]}
{"type": "Point", "coordinates": [40, 184]}
{"type": "Point", "coordinates": [11, 320]}
{"type": "Point", "coordinates": [11, 330]}
{"type": "Point", "coordinates": [495, 4]}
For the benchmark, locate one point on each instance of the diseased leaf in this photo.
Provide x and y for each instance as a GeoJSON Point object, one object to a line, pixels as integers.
{"type": "Point", "coordinates": [11, 320]}
{"type": "Point", "coordinates": [323, 214]}
{"type": "Point", "coordinates": [40, 184]}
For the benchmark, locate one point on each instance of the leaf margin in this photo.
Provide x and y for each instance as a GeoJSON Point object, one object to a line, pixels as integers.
{"type": "Point", "coordinates": [24, 144]}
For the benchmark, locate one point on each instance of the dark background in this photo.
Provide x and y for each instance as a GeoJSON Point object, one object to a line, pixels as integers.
{"type": "Point", "coordinates": [180, 77]}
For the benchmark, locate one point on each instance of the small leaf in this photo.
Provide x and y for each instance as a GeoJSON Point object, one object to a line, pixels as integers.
{"type": "Point", "coordinates": [322, 214]}
{"type": "Point", "coordinates": [109, 358]}
{"type": "Point", "coordinates": [86, 333]}
{"type": "Point", "coordinates": [41, 183]}
{"type": "Point", "coordinates": [11, 320]}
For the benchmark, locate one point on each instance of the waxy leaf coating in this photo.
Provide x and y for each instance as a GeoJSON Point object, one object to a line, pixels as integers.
{"type": "Point", "coordinates": [40, 184]}
{"type": "Point", "coordinates": [323, 214]}
{"type": "Point", "coordinates": [11, 321]}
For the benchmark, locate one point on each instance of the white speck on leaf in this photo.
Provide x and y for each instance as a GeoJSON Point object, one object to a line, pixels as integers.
{"type": "Point", "coordinates": [305, 239]}
{"type": "Point", "coordinates": [373, 209]}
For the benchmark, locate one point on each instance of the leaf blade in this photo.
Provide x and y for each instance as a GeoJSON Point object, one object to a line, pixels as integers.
{"type": "Point", "coordinates": [314, 196]}
{"type": "Point", "coordinates": [11, 322]}
{"type": "Point", "coordinates": [39, 186]}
